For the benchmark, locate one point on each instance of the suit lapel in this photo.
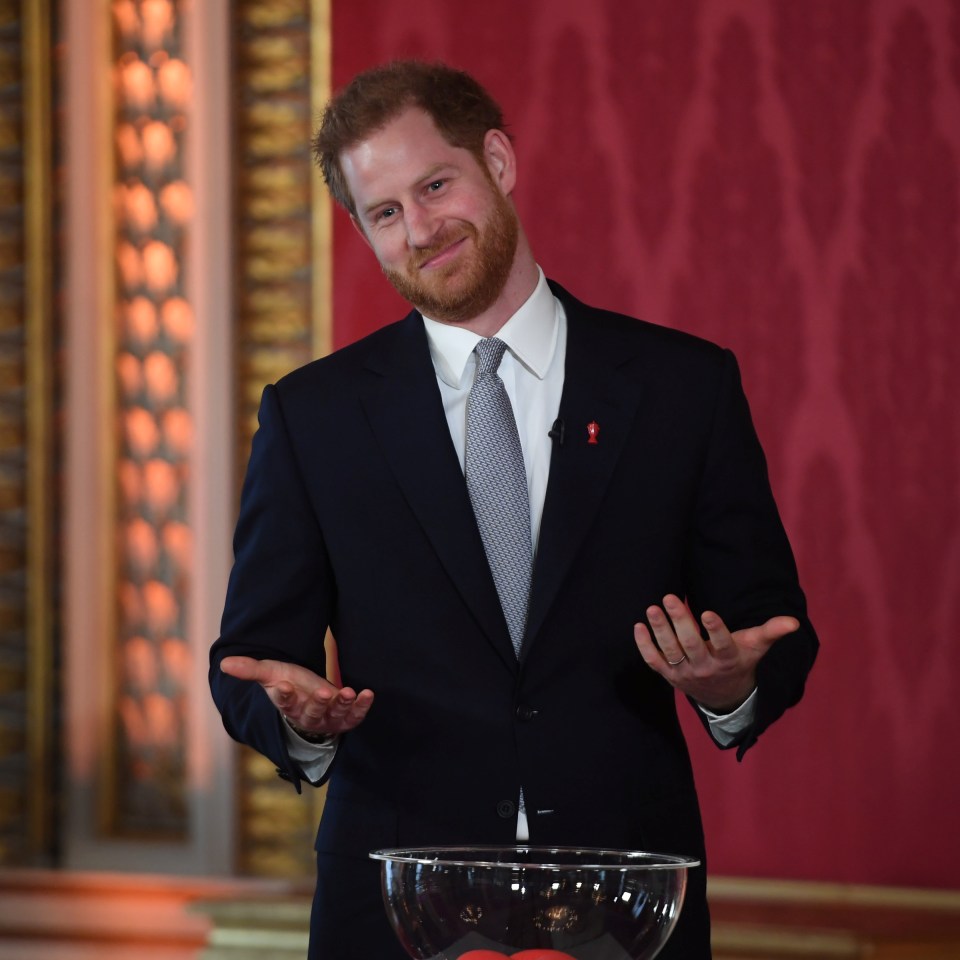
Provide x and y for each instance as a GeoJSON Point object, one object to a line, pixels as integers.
{"type": "Point", "coordinates": [594, 391]}
{"type": "Point", "coordinates": [403, 406]}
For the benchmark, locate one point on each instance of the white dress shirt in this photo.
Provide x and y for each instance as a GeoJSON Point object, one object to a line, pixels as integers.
{"type": "Point", "coordinates": [532, 371]}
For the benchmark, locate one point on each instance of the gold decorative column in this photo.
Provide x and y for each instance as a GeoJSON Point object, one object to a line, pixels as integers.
{"type": "Point", "coordinates": [28, 749]}
{"type": "Point", "coordinates": [154, 327]}
{"type": "Point", "coordinates": [282, 294]}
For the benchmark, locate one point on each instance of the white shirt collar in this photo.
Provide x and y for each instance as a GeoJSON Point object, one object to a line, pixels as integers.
{"type": "Point", "coordinates": [530, 334]}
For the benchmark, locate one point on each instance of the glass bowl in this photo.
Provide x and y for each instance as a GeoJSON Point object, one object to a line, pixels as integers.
{"type": "Point", "coordinates": [532, 903]}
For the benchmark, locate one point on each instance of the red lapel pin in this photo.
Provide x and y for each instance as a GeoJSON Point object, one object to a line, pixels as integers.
{"type": "Point", "coordinates": [593, 429]}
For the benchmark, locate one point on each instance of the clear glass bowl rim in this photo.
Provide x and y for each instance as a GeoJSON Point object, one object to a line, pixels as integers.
{"type": "Point", "coordinates": [474, 856]}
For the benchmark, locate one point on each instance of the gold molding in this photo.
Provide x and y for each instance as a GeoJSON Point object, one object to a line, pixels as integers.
{"type": "Point", "coordinates": [107, 406]}
{"type": "Point", "coordinates": [322, 219]}
{"type": "Point", "coordinates": [283, 271]}
{"type": "Point", "coordinates": [814, 892]}
{"type": "Point", "coordinates": [812, 920]}
{"type": "Point", "coordinates": [321, 223]}
{"type": "Point", "coordinates": [144, 356]}
{"type": "Point", "coordinates": [743, 942]}
{"type": "Point", "coordinates": [38, 247]}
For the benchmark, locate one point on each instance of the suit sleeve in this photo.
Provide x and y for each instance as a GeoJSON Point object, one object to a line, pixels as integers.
{"type": "Point", "coordinates": [280, 594]}
{"type": "Point", "coordinates": [741, 564]}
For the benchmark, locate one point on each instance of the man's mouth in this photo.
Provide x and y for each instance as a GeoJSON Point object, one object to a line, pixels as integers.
{"type": "Point", "coordinates": [440, 254]}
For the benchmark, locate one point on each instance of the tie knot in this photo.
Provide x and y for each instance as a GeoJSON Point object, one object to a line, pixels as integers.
{"type": "Point", "coordinates": [489, 354]}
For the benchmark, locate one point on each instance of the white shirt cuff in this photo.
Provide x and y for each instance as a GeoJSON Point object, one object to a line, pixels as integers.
{"type": "Point", "coordinates": [726, 727]}
{"type": "Point", "coordinates": [314, 758]}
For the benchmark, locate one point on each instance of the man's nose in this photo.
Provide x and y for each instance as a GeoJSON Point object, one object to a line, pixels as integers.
{"type": "Point", "coordinates": [422, 225]}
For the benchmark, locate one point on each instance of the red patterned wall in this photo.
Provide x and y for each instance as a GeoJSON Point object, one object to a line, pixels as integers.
{"type": "Point", "coordinates": [781, 177]}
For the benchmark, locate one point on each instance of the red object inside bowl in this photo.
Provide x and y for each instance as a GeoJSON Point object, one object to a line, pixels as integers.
{"type": "Point", "coordinates": [538, 954]}
{"type": "Point", "coordinates": [534, 954]}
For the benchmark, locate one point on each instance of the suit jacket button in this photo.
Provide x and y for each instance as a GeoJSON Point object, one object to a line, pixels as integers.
{"type": "Point", "coordinates": [506, 809]}
{"type": "Point", "coordinates": [526, 713]}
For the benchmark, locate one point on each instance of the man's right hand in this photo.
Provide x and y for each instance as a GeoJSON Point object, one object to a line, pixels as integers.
{"type": "Point", "coordinates": [307, 700]}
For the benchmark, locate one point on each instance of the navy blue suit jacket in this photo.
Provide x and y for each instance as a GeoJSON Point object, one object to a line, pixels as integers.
{"type": "Point", "coordinates": [355, 515]}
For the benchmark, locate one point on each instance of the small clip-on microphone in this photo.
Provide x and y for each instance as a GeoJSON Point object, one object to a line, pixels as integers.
{"type": "Point", "coordinates": [555, 433]}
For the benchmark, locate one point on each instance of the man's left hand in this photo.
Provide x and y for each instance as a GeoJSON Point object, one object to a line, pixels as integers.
{"type": "Point", "coordinates": [720, 672]}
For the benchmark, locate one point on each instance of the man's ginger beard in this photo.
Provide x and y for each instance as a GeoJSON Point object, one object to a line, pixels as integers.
{"type": "Point", "coordinates": [461, 290]}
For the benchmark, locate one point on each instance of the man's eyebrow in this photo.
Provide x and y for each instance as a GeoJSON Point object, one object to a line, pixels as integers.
{"type": "Point", "coordinates": [434, 170]}
{"type": "Point", "coordinates": [370, 207]}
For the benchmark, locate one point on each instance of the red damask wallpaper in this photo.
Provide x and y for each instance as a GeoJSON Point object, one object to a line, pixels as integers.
{"type": "Point", "coordinates": [780, 176]}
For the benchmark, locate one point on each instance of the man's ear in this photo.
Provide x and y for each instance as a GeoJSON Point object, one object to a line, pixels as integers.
{"type": "Point", "coordinates": [501, 160]}
{"type": "Point", "coordinates": [359, 228]}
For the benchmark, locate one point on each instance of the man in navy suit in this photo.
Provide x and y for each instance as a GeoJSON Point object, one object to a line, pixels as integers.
{"type": "Point", "coordinates": [659, 560]}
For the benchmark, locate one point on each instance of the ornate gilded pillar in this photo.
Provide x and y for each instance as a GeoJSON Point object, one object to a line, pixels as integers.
{"type": "Point", "coordinates": [148, 777]}
{"type": "Point", "coordinates": [28, 749]}
{"type": "Point", "coordinates": [154, 330]}
{"type": "Point", "coordinates": [282, 294]}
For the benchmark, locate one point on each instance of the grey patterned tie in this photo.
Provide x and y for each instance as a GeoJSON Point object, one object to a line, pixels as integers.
{"type": "Point", "coordinates": [497, 482]}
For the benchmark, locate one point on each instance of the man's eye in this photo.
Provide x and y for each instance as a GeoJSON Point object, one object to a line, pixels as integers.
{"type": "Point", "coordinates": [436, 185]}
{"type": "Point", "coordinates": [386, 213]}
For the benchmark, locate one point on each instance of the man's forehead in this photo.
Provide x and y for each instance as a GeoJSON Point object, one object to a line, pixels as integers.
{"type": "Point", "coordinates": [407, 148]}
{"type": "Point", "coordinates": [409, 123]}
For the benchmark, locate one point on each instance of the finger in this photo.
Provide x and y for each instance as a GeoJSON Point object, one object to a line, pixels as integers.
{"type": "Point", "coordinates": [648, 649]}
{"type": "Point", "coordinates": [243, 668]}
{"type": "Point", "coordinates": [329, 701]}
{"type": "Point", "coordinates": [345, 712]}
{"type": "Point", "coordinates": [777, 627]}
{"type": "Point", "coordinates": [721, 640]}
{"type": "Point", "coordinates": [364, 702]}
{"type": "Point", "coordinates": [314, 708]}
{"type": "Point", "coordinates": [665, 638]}
{"type": "Point", "coordinates": [360, 708]}
{"type": "Point", "coordinates": [339, 706]}
{"type": "Point", "coordinates": [272, 673]}
{"type": "Point", "coordinates": [284, 696]}
{"type": "Point", "coordinates": [763, 637]}
{"type": "Point", "coordinates": [687, 630]}
{"type": "Point", "coordinates": [324, 694]}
